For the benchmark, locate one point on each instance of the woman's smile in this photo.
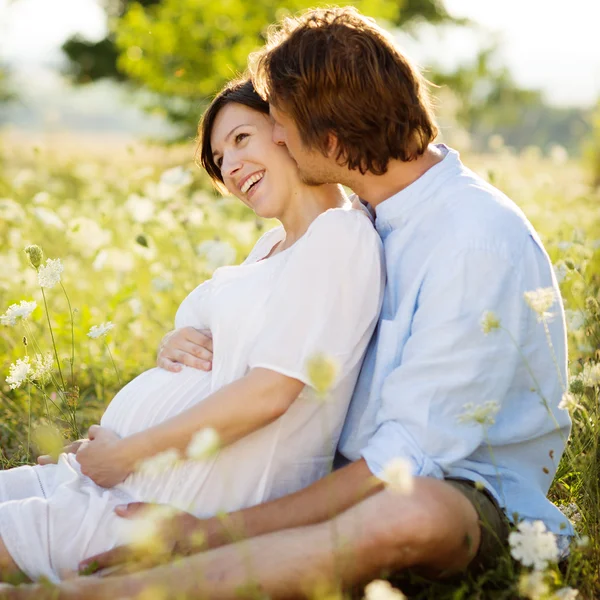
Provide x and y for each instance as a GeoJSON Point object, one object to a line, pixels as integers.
{"type": "Point", "coordinates": [252, 190]}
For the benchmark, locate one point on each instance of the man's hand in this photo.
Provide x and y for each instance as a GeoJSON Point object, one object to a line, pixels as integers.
{"type": "Point", "coordinates": [186, 346]}
{"type": "Point", "coordinates": [48, 459]}
{"type": "Point", "coordinates": [178, 534]}
{"type": "Point", "coordinates": [103, 459]}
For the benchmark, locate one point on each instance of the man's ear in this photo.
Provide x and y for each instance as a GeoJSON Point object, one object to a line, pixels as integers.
{"type": "Point", "coordinates": [332, 145]}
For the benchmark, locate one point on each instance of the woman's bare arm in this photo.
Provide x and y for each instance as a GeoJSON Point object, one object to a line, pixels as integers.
{"type": "Point", "coordinates": [234, 411]}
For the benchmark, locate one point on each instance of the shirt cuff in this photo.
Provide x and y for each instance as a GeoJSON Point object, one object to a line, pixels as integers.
{"type": "Point", "coordinates": [391, 441]}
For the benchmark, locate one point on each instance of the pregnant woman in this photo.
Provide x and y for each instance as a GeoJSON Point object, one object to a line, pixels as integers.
{"type": "Point", "coordinates": [312, 285]}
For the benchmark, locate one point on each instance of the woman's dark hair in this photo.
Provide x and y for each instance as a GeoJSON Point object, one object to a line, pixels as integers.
{"type": "Point", "coordinates": [239, 91]}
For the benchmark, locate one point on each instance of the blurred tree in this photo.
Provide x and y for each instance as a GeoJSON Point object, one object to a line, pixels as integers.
{"type": "Point", "coordinates": [490, 102]}
{"type": "Point", "coordinates": [90, 61]}
{"type": "Point", "coordinates": [592, 147]}
{"type": "Point", "coordinates": [183, 51]}
{"type": "Point", "coordinates": [6, 93]}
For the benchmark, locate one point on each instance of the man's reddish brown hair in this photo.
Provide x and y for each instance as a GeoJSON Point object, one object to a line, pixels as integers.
{"type": "Point", "coordinates": [335, 71]}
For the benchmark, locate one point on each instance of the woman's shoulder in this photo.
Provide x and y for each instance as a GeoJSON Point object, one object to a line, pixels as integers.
{"type": "Point", "coordinates": [265, 242]}
{"type": "Point", "coordinates": [346, 221]}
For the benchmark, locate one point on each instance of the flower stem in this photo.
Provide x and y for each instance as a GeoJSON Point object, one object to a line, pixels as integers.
{"type": "Point", "coordinates": [113, 362]}
{"type": "Point", "coordinates": [53, 341]}
{"type": "Point", "coordinates": [72, 334]}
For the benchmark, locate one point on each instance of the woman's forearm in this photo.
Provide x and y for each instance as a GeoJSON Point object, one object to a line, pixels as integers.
{"type": "Point", "coordinates": [234, 411]}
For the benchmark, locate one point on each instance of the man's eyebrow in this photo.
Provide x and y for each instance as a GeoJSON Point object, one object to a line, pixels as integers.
{"type": "Point", "coordinates": [231, 133]}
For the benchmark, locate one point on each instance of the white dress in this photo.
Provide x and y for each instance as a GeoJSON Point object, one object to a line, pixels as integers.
{"type": "Point", "coordinates": [322, 295]}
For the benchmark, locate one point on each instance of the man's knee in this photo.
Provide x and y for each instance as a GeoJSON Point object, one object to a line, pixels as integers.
{"type": "Point", "coordinates": [435, 527]}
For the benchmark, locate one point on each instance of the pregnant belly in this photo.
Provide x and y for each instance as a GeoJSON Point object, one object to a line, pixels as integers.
{"type": "Point", "coordinates": [153, 397]}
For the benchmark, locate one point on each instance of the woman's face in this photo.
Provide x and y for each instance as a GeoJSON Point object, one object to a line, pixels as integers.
{"type": "Point", "coordinates": [255, 169]}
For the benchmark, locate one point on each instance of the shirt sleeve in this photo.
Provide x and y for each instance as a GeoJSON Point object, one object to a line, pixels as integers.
{"type": "Point", "coordinates": [448, 362]}
{"type": "Point", "coordinates": [327, 298]}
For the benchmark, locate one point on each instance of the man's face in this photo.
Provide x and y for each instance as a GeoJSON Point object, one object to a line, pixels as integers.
{"type": "Point", "coordinates": [313, 167]}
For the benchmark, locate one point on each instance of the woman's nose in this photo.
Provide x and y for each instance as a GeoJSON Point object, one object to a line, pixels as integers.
{"type": "Point", "coordinates": [231, 164]}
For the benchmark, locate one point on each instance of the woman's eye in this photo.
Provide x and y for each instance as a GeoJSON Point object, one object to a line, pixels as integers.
{"type": "Point", "coordinates": [219, 162]}
{"type": "Point", "coordinates": [239, 137]}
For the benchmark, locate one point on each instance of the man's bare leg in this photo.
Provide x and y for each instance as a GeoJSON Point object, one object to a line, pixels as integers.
{"type": "Point", "coordinates": [436, 528]}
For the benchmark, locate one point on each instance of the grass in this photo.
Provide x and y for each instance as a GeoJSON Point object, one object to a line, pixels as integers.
{"type": "Point", "coordinates": [133, 247]}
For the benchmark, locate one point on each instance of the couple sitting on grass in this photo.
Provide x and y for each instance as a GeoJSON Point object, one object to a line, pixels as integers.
{"type": "Point", "coordinates": [409, 299]}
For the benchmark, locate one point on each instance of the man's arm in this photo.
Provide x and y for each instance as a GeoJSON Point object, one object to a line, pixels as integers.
{"type": "Point", "coordinates": [314, 504]}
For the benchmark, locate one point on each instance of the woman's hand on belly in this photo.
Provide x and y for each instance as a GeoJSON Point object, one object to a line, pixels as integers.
{"type": "Point", "coordinates": [103, 457]}
{"type": "Point", "coordinates": [186, 346]}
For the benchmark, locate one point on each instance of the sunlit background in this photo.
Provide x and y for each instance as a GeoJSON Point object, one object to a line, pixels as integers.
{"type": "Point", "coordinates": [91, 91]}
{"type": "Point", "coordinates": [58, 65]}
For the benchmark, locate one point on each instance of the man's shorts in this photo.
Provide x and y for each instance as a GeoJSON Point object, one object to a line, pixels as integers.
{"type": "Point", "coordinates": [493, 523]}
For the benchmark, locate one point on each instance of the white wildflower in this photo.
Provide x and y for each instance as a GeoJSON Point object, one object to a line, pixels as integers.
{"type": "Point", "coordinates": [533, 586]}
{"type": "Point", "coordinates": [560, 271]}
{"type": "Point", "coordinates": [159, 462]}
{"type": "Point", "coordinates": [571, 511]}
{"type": "Point", "coordinates": [566, 593]}
{"type": "Point", "coordinates": [49, 274]}
{"type": "Point", "coordinates": [42, 367]}
{"type": "Point", "coordinates": [568, 402]}
{"type": "Point", "coordinates": [48, 217]}
{"type": "Point", "coordinates": [18, 373]}
{"type": "Point", "coordinates": [17, 311]}
{"type": "Point", "coordinates": [540, 301]}
{"type": "Point", "coordinates": [177, 177]}
{"type": "Point", "coordinates": [100, 330]}
{"type": "Point", "coordinates": [479, 414]}
{"type": "Point", "coordinates": [564, 245]}
{"type": "Point", "coordinates": [162, 284]}
{"type": "Point", "coordinates": [216, 253]}
{"type": "Point", "coordinates": [41, 198]}
{"type": "Point", "coordinates": [115, 259]}
{"type": "Point", "coordinates": [204, 444]}
{"type": "Point", "coordinates": [533, 545]}
{"type": "Point", "coordinates": [135, 304]}
{"type": "Point", "coordinates": [145, 533]}
{"type": "Point", "coordinates": [87, 235]}
{"type": "Point", "coordinates": [575, 319]}
{"type": "Point", "coordinates": [397, 475]}
{"type": "Point", "coordinates": [382, 590]}
{"type": "Point", "coordinates": [322, 371]}
{"type": "Point", "coordinates": [489, 322]}
{"type": "Point", "coordinates": [140, 208]}
{"type": "Point", "coordinates": [495, 142]}
{"type": "Point", "coordinates": [11, 212]}
{"type": "Point", "coordinates": [559, 154]}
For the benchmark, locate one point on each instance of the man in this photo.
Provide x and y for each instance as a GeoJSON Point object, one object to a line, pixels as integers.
{"type": "Point", "coordinates": [469, 404]}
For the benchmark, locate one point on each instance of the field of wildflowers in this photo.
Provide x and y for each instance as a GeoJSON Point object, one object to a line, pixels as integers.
{"type": "Point", "coordinates": [125, 235]}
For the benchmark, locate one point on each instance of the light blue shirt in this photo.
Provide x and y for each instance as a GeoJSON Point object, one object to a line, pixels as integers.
{"type": "Point", "coordinates": [456, 247]}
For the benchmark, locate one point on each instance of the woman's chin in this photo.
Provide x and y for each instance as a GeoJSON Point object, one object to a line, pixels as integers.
{"type": "Point", "coordinates": [264, 211]}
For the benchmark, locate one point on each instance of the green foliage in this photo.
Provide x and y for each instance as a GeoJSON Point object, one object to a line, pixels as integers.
{"type": "Point", "coordinates": [184, 51]}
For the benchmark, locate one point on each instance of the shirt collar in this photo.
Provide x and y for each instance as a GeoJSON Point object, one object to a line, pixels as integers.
{"type": "Point", "coordinates": [394, 212]}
